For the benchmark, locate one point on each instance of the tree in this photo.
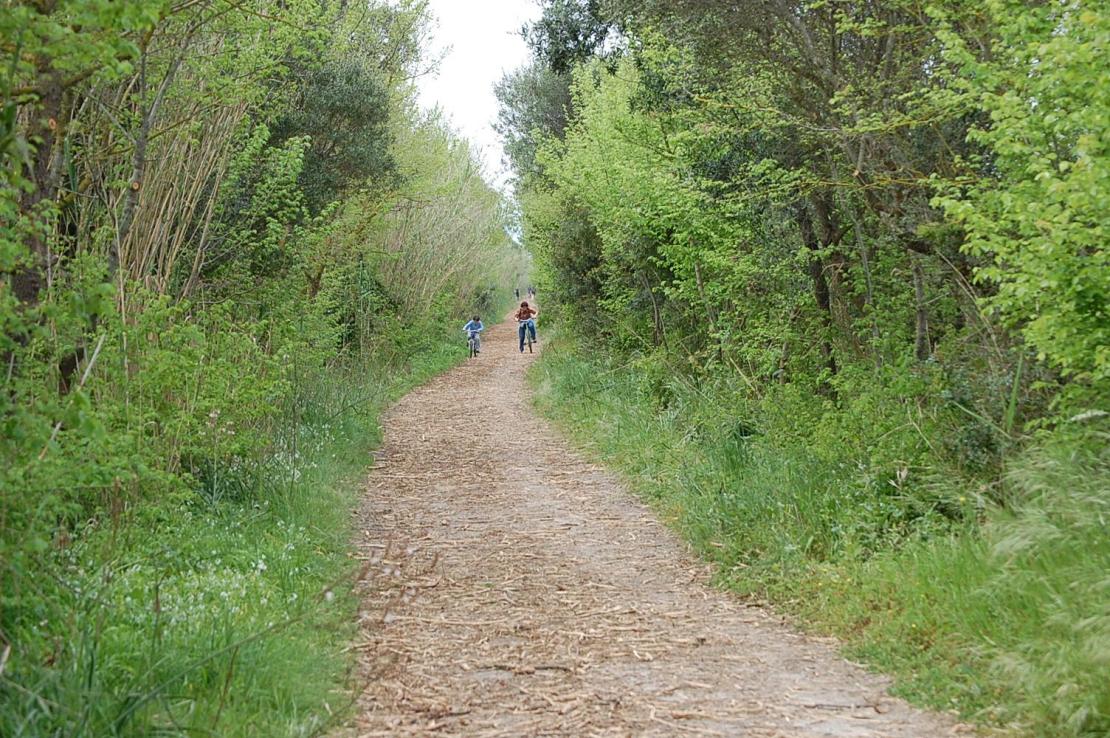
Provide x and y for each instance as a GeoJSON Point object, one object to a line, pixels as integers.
{"type": "Point", "coordinates": [534, 104]}
{"type": "Point", "coordinates": [1039, 209]}
{"type": "Point", "coordinates": [569, 32]}
{"type": "Point", "coordinates": [343, 107]}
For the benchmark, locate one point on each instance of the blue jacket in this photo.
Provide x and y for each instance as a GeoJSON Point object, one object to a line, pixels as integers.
{"type": "Point", "coordinates": [472, 326]}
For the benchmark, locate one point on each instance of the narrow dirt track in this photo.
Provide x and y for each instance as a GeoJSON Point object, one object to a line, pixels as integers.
{"type": "Point", "coordinates": [513, 588]}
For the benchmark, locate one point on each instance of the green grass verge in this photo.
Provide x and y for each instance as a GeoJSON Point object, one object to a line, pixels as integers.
{"type": "Point", "coordinates": [1005, 618]}
{"type": "Point", "coordinates": [226, 616]}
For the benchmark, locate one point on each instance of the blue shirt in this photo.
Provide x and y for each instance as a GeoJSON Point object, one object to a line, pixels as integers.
{"type": "Point", "coordinates": [474, 326]}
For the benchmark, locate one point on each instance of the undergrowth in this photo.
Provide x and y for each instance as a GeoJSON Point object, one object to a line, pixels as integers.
{"type": "Point", "coordinates": [999, 611]}
{"type": "Point", "coordinates": [224, 612]}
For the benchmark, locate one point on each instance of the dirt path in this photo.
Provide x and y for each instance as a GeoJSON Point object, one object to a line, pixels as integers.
{"type": "Point", "coordinates": [513, 588]}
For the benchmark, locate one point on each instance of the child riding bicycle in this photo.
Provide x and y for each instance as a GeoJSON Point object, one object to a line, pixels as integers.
{"type": "Point", "coordinates": [526, 320]}
{"type": "Point", "coordinates": [472, 330]}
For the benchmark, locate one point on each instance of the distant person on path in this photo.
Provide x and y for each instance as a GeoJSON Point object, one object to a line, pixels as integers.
{"type": "Point", "coordinates": [517, 293]}
{"type": "Point", "coordinates": [475, 326]}
{"type": "Point", "coordinates": [526, 319]}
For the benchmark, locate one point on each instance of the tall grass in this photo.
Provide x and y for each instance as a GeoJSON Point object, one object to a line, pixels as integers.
{"type": "Point", "coordinates": [224, 615]}
{"type": "Point", "coordinates": [1001, 614]}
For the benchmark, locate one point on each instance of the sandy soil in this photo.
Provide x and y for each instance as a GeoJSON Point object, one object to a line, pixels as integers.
{"type": "Point", "coordinates": [513, 588]}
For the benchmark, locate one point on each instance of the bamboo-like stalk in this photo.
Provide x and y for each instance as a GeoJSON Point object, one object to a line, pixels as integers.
{"type": "Point", "coordinates": [178, 200]}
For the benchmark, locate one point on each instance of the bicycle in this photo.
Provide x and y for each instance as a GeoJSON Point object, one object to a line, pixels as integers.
{"type": "Point", "coordinates": [473, 343]}
{"type": "Point", "coordinates": [526, 333]}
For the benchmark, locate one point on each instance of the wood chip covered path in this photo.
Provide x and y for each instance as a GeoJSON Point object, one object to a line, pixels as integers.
{"type": "Point", "coordinates": [513, 588]}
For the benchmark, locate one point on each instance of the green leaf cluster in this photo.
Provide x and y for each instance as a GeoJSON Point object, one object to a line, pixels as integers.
{"type": "Point", "coordinates": [1039, 212]}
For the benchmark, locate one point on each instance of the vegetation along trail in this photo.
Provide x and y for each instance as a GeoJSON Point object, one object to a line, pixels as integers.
{"type": "Point", "coordinates": [513, 588]}
{"type": "Point", "coordinates": [825, 282]}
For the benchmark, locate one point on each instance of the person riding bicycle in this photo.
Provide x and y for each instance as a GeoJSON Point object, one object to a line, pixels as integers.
{"type": "Point", "coordinates": [526, 319]}
{"type": "Point", "coordinates": [474, 328]}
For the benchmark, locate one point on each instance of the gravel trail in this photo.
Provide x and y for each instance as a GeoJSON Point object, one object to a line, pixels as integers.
{"type": "Point", "coordinates": [513, 588]}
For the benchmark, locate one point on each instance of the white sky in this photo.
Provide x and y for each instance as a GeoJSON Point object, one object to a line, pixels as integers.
{"type": "Point", "coordinates": [482, 42]}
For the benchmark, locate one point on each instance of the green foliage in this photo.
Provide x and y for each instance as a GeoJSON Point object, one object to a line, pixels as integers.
{"type": "Point", "coordinates": [225, 612]}
{"type": "Point", "coordinates": [845, 259]}
{"type": "Point", "coordinates": [1040, 210]}
{"type": "Point", "coordinates": [77, 37]}
{"type": "Point", "coordinates": [210, 285]}
{"type": "Point", "coordinates": [445, 201]}
{"type": "Point", "coordinates": [566, 248]}
{"type": "Point", "coordinates": [262, 214]}
{"type": "Point", "coordinates": [677, 256]}
{"type": "Point", "coordinates": [535, 103]}
{"type": "Point", "coordinates": [343, 108]}
{"type": "Point", "coordinates": [568, 32]}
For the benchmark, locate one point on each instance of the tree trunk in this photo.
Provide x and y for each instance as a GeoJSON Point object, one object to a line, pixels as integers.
{"type": "Point", "coordinates": [820, 283]}
{"type": "Point", "coordinates": [866, 253]}
{"type": "Point", "coordinates": [659, 335]}
{"type": "Point", "coordinates": [922, 349]}
{"type": "Point", "coordinates": [710, 310]}
{"type": "Point", "coordinates": [49, 128]}
{"type": "Point", "coordinates": [139, 158]}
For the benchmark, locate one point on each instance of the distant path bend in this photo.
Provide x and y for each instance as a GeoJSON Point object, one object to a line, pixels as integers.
{"type": "Point", "coordinates": [513, 588]}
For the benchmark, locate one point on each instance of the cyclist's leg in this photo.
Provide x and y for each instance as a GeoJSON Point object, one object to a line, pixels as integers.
{"type": "Point", "coordinates": [532, 329]}
{"type": "Point", "coordinates": [520, 334]}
